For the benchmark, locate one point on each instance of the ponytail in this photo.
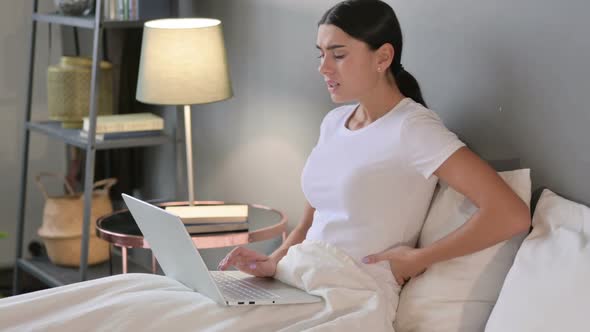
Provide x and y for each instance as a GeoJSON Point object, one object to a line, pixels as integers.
{"type": "Point", "coordinates": [408, 85]}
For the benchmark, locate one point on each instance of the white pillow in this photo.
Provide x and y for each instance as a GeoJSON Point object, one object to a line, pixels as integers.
{"type": "Point", "coordinates": [547, 287]}
{"type": "Point", "coordinates": [458, 294]}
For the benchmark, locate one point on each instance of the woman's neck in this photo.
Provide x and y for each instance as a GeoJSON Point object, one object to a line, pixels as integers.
{"type": "Point", "coordinates": [380, 101]}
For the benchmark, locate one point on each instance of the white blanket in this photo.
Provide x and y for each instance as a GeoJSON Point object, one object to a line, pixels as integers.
{"type": "Point", "coordinates": [353, 301]}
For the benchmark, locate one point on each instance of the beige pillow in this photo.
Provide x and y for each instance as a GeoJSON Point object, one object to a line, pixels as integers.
{"type": "Point", "coordinates": [546, 289]}
{"type": "Point", "coordinates": [458, 294]}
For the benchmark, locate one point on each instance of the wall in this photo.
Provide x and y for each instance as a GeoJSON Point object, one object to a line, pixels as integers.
{"type": "Point", "coordinates": [509, 77]}
{"type": "Point", "coordinates": [252, 147]}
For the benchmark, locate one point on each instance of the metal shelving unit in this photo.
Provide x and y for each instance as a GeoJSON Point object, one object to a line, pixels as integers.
{"type": "Point", "coordinates": [54, 276]}
{"type": "Point", "coordinates": [41, 268]}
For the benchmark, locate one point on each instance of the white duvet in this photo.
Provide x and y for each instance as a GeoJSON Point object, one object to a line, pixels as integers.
{"type": "Point", "coordinates": [352, 301]}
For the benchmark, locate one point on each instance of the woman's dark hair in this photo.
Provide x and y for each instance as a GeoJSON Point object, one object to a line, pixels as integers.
{"type": "Point", "coordinates": [375, 23]}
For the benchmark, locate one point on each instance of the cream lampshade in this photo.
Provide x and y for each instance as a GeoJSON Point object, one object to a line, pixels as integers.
{"type": "Point", "coordinates": [183, 62]}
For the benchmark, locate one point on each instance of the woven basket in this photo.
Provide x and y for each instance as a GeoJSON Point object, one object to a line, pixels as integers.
{"type": "Point", "coordinates": [68, 90]}
{"type": "Point", "coordinates": [61, 230]}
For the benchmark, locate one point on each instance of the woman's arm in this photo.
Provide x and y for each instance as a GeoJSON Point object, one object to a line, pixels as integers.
{"type": "Point", "coordinates": [257, 264]}
{"type": "Point", "coordinates": [501, 215]}
{"type": "Point", "coordinates": [297, 235]}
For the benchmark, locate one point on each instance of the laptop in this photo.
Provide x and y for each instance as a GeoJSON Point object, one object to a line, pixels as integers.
{"type": "Point", "coordinates": [180, 260]}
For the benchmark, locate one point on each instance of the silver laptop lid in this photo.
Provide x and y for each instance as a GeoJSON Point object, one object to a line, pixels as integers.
{"type": "Point", "coordinates": [173, 247]}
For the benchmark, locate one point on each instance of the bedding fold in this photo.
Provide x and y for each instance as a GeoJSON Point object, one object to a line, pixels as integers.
{"type": "Point", "coordinates": [352, 300]}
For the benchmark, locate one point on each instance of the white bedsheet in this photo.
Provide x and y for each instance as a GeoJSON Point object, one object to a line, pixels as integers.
{"type": "Point", "coordinates": [353, 301]}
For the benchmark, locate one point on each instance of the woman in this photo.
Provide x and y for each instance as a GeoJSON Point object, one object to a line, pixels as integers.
{"type": "Point", "coordinates": [371, 176]}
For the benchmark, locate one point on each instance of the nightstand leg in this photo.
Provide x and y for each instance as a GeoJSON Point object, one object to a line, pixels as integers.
{"type": "Point", "coordinates": [110, 259]}
{"type": "Point", "coordinates": [124, 257]}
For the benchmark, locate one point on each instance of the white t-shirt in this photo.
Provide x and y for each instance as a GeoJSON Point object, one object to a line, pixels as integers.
{"type": "Point", "coordinates": [372, 187]}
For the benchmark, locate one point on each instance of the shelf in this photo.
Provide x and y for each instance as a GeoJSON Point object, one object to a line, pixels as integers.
{"type": "Point", "coordinates": [123, 24]}
{"type": "Point", "coordinates": [54, 275]}
{"type": "Point", "coordinates": [74, 21]}
{"type": "Point", "coordinates": [86, 22]}
{"type": "Point", "coordinates": [72, 137]}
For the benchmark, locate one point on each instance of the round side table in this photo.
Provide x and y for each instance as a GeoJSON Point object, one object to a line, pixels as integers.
{"type": "Point", "coordinates": [264, 223]}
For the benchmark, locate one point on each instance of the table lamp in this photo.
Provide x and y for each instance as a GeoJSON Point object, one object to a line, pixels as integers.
{"type": "Point", "coordinates": [183, 62]}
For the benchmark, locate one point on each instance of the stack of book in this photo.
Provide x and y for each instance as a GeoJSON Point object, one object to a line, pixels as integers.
{"type": "Point", "coordinates": [124, 126]}
{"type": "Point", "coordinates": [121, 9]}
{"type": "Point", "coordinates": [212, 218]}
{"type": "Point", "coordinates": [117, 10]}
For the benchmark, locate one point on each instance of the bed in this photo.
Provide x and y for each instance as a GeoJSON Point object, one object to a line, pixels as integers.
{"type": "Point", "coordinates": [534, 282]}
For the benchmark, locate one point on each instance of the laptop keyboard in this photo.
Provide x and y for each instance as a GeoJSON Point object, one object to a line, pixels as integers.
{"type": "Point", "coordinates": [240, 289]}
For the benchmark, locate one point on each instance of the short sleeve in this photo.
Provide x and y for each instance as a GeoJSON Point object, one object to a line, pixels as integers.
{"type": "Point", "coordinates": [331, 121]}
{"type": "Point", "coordinates": [427, 142]}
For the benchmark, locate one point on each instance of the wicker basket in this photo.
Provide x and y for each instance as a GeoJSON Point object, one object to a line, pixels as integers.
{"type": "Point", "coordinates": [68, 90]}
{"type": "Point", "coordinates": [61, 230]}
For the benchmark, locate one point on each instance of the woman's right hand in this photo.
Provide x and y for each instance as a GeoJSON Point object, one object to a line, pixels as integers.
{"type": "Point", "coordinates": [250, 262]}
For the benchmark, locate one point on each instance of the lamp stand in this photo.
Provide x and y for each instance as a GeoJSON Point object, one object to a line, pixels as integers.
{"type": "Point", "coordinates": [189, 154]}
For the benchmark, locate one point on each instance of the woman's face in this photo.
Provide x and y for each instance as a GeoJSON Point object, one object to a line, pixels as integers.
{"type": "Point", "coordinates": [348, 66]}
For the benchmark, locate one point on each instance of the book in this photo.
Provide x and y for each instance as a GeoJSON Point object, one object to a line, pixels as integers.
{"type": "Point", "coordinates": [125, 9]}
{"type": "Point", "coordinates": [110, 10]}
{"type": "Point", "coordinates": [134, 9]}
{"type": "Point", "coordinates": [125, 122]}
{"type": "Point", "coordinates": [216, 228]}
{"type": "Point", "coordinates": [211, 214]}
{"type": "Point", "coordinates": [122, 134]}
{"type": "Point", "coordinates": [120, 9]}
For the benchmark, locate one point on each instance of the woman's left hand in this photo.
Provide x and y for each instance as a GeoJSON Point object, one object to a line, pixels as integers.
{"type": "Point", "coordinates": [405, 262]}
